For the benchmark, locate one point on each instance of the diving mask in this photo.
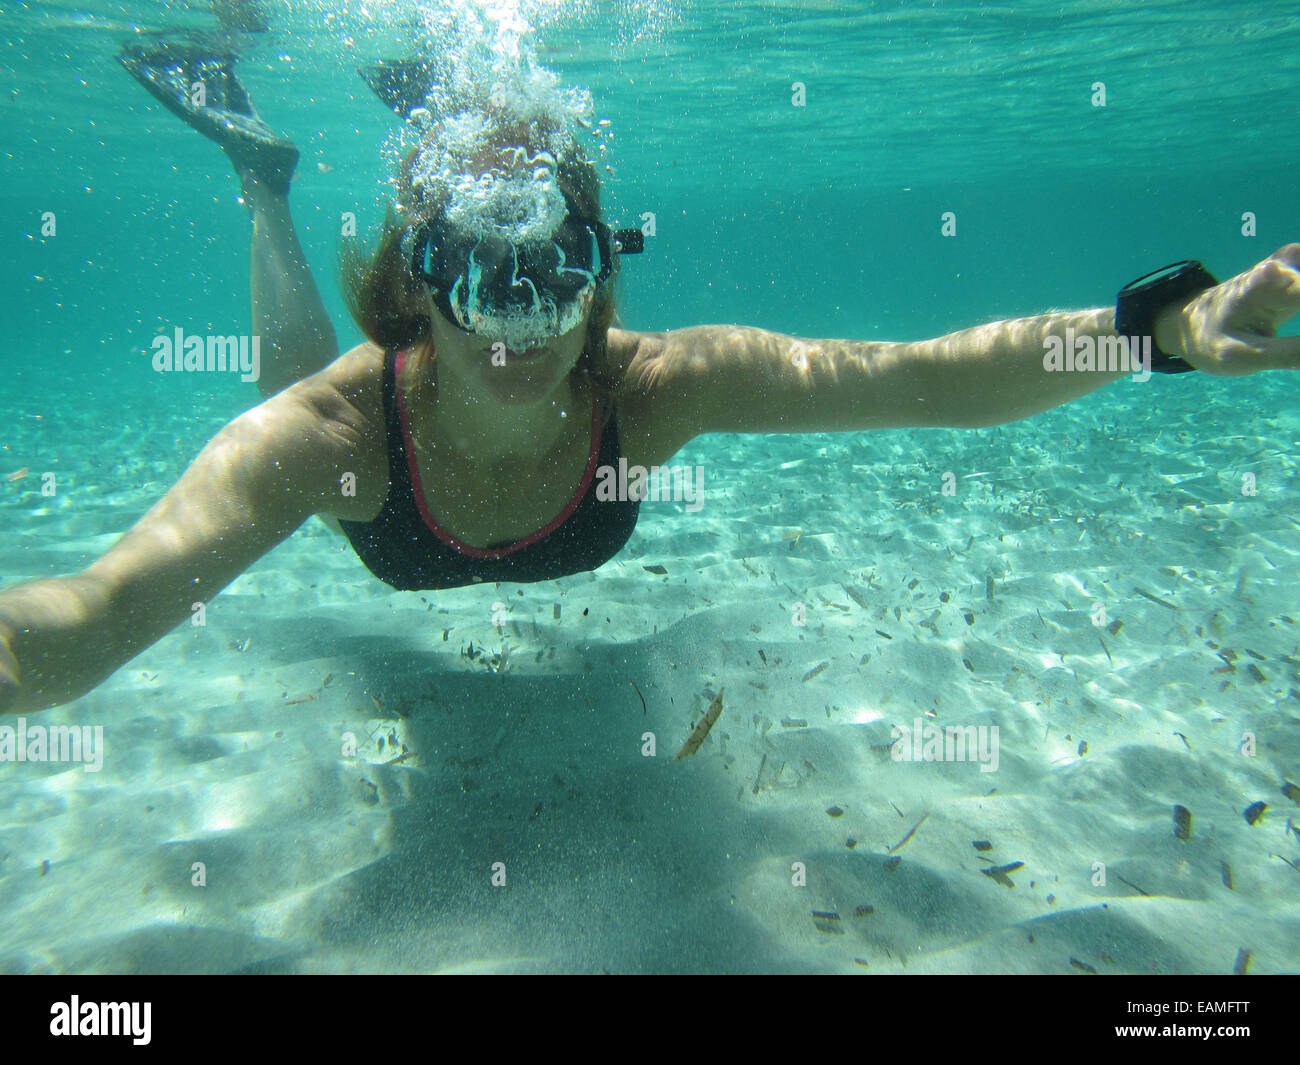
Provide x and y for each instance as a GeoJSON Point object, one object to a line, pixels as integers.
{"type": "Point", "coordinates": [519, 293]}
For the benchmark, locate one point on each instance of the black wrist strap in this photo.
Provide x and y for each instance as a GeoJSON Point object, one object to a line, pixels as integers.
{"type": "Point", "coordinates": [1140, 302]}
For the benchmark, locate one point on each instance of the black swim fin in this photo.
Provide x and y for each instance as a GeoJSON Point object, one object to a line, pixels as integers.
{"type": "Point", "coordinates": [402, 84]}
{"type": "Point", "coordinates": [194, 78]}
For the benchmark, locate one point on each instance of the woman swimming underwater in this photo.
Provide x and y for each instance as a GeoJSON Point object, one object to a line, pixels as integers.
{"type": "Point", "coordinates": [462, 442]}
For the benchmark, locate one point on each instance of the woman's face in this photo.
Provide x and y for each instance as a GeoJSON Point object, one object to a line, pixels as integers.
{"type": "Point", "coordinates": [512, 377]}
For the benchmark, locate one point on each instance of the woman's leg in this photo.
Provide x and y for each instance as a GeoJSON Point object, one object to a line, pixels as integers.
{"type": "Point", "coordinates": [194, 78]}
{"type": "Point", "coordinates": [288, 312]}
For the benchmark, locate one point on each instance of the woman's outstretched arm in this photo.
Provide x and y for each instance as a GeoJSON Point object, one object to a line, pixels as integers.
{"type": "Point", "coordinates": [744, 380]}
{"type": "Point", "coordinates": [251, 486]}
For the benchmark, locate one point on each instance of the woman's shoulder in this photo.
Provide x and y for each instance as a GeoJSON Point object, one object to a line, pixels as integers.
{"type": "Point", "coordinates": [347, 395]}
{"type": "Point", "coordinates": [354, 381]}
{"type": "Point", "coordinates": [346, 401]}
{"type": "Point", "coordinates": [647, 426]}
{"type": "Point", "coordinates": [357, 370]}
{"type": "Point", "coordinates": [611, 369]}
{"type": "Point", "coordinates": [620, 349]}
{"type": "Point", "coordinates": [624, 360]}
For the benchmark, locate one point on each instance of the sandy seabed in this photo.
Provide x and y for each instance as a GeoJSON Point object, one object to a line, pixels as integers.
{"type": "Point", "coordinates": [830, 591]}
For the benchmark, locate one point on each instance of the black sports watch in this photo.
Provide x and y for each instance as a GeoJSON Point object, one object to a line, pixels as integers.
{"type": "Point", "coordinates": [1141, 301]}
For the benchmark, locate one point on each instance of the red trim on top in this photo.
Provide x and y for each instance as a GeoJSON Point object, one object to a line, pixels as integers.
{"type": "Point", "coordinates": [486, 552]}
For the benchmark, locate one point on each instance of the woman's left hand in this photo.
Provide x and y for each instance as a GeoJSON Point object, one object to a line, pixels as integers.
{"type": "Point", "coordinates": [1230, 330]}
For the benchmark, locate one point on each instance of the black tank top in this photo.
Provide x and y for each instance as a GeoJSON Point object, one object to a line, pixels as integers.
{"type": "Point", "coordinates": [405, 547]}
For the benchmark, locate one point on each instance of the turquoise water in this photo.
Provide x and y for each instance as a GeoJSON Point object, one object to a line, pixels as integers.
{"type": "Point", "coordinates": [818, 221]}
{"type": "Point", "coordinates": [792, 219]}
